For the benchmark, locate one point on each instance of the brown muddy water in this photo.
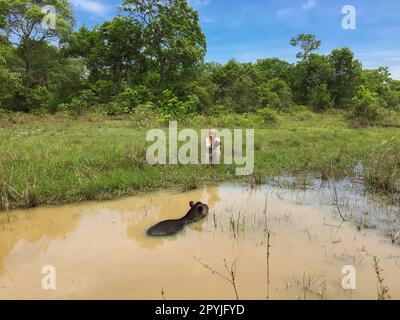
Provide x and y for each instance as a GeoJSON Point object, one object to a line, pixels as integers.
{"type": "Point", "coordinates": [101, 250]}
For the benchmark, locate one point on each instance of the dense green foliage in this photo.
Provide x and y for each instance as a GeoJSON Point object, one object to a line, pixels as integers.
{"type": "Point", "coordinates": [151, 56]}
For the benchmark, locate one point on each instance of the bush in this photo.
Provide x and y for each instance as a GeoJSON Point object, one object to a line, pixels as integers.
{"type": "Point", "coordinates": [298, 108]}
{"type": "Point", "coordinates": [85, 101]}
{"type": "Point", "coordinates": [389, 118]}
{"type": "Point", "coordinates": [220, 109]}
{"type": "Point", "coordinates": [320, 98]}
{"type": "Point", "coordinates": [132, 97]}
{"type": "Point", "coordinates": [10, 84]}
{"type": "Point", "coordinates": [269, 116]}
{"type": "Point", "coordinates": [40, 99]}
{"type": "Point", "coordinates": [172, 107]}
{"type": "Point", "coordinates": [392, 100]}
{"type": "Point", "coordinates": [145, 115]}
{"type": "Point", "coordinates": [366, 106]}
{"type": "Point", "coordinates": [128, 100]}
{"type": "Point", "coordinates": [193, 104]}
{"type": "Point", "coordinates": [104, 90]}
{"type": "Point", "coordinates": [186, 91]}
{"type": "Point", "coordinates": [275, 94]}
{"type": "Point", "coordinates": [301, 113]}
{"type": "Point", "coordinates": [114, 109]}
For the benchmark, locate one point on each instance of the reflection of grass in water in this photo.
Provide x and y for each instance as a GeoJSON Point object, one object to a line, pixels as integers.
{"type": "Point", "coordinates": [237, 225]}
{"type": "Point", "coordinates": [350, 206]}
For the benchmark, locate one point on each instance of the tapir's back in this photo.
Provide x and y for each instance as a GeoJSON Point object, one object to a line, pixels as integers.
{"type": "Point", "coordinates": [166, 228]}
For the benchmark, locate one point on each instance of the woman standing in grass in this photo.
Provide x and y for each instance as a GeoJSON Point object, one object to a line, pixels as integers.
{"type": "Point", "coordinates": [214, 147]}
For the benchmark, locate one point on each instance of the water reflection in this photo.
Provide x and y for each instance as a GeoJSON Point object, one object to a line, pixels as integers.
{"type": "Point", "coordinates": [101, 250]}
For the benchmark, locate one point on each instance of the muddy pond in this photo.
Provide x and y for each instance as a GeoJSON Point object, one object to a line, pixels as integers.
{"type": "Point", "coordinates": [101, 250]}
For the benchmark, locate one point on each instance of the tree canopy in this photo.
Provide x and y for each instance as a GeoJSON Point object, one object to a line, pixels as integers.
{"type": "Point", "coordinates": [152, 56]}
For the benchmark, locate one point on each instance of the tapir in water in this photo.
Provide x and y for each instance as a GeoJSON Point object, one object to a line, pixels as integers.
{"type": "Point", "coordinates": [197, 212]}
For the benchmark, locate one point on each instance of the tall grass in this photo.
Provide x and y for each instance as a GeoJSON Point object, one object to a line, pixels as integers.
{"type": "Point", "coordinates": [58, 159]}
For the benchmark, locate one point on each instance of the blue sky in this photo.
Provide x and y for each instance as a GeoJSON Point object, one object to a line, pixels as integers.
{"type": "Point", "coordinates": [248, 30]}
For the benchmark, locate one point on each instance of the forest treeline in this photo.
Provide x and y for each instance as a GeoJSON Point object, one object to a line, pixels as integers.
{"type": "Point", "coordinates": [151, 56]}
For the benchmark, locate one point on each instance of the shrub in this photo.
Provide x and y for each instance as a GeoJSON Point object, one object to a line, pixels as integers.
{"type": "Point", "coordinates": [389, 118]}
{"type": "Point", "coordinates": [128, 100]}
{"type": "Point", "coordinates": [192, 105]}
{"type": "Point", "coordinates": [320, 98]}
{"type": "Point", "coordinates": [301, 113]}
{"type": "Point", "coordinates": [172, 107]}
{"type": "Point", "coordinates": [269, 116]}
{"type": "Point", "coordinates": [275, 94]}
{"type": "Point", "coordinates": [298, 108]}
{"type": "Point", "coordinates": [220, 109]}
{"type": "Point", "coordinates": [114, 109]}
{"type": "Point", "coordinates": [366, 106]}
{"type": "Point", "coordinates": [86, 100]}
{"type": "Point", "coordinates": [40, 98]}
{"type": "Point", "coordinates": [186, 91]}
{"type": "Point", "coordinates": [132, 97]}
{"type": "Point", "coordinates": [392, 99]}
{"type": "Point", "coordinates": [145, 115]}
{"type": "Point", "coordinates": [10, 84]}
{"type": "Point", "coordinates": [104, 90]}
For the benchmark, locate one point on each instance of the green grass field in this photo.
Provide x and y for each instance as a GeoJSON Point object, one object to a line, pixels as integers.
{"type": "Point", "coordinates": [58, 159]}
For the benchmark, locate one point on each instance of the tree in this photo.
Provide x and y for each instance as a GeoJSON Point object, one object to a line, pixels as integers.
{"type": "Point", "coordinates": [275, 94]}
{"type": "Point", "coordinates": [380, 82]}
{"type": "Point", "coordinates": [10, 84]}
{"type": "Point", "coordinates": [366, 105]}
{"type": "Point", "coordinates": [175, 42]}
{"type": "Point", "coordinates": [122, 41]}
{"type": "Point", "coordinates": [268, 69]}
{"type": "Point", "coordinates": [347, 76]}
{"type": "Point", "coordinates": [236, 89]}
{"type": "Point", "coordinates": [112, 51]}
{"type": "Point", "coordinates": [320, 98]}
{"type": "Point", "coordinates": [56, 78]}
{"type": "Point", "coordinates": [3, 11]}
{"type": "Point", "coordinates": [308, 44]}
{"type": "Point", "coordinates": [22, 24]}
{"type": "Point", "coordinates": [85, 44]}
{"type": "Point", "coordinates": [309, 75]}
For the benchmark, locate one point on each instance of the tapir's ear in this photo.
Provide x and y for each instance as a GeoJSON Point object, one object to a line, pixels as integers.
{"type": "Point", "coordinates": [191, 204]}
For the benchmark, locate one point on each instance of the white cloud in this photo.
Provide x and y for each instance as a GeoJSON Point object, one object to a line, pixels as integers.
{"type": "Point", "coordinates": [304, 7]}
{"type": "Point", "coordinates": [284, 12]}
{"type": "Point", "coordinates": [199, 2]}
{"type": "Point", "coordinates": [309, 4]}
{"type": "Point", "coordinates": [94, 7]}
{"type": "Point", "coordinates": [209, 20]}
